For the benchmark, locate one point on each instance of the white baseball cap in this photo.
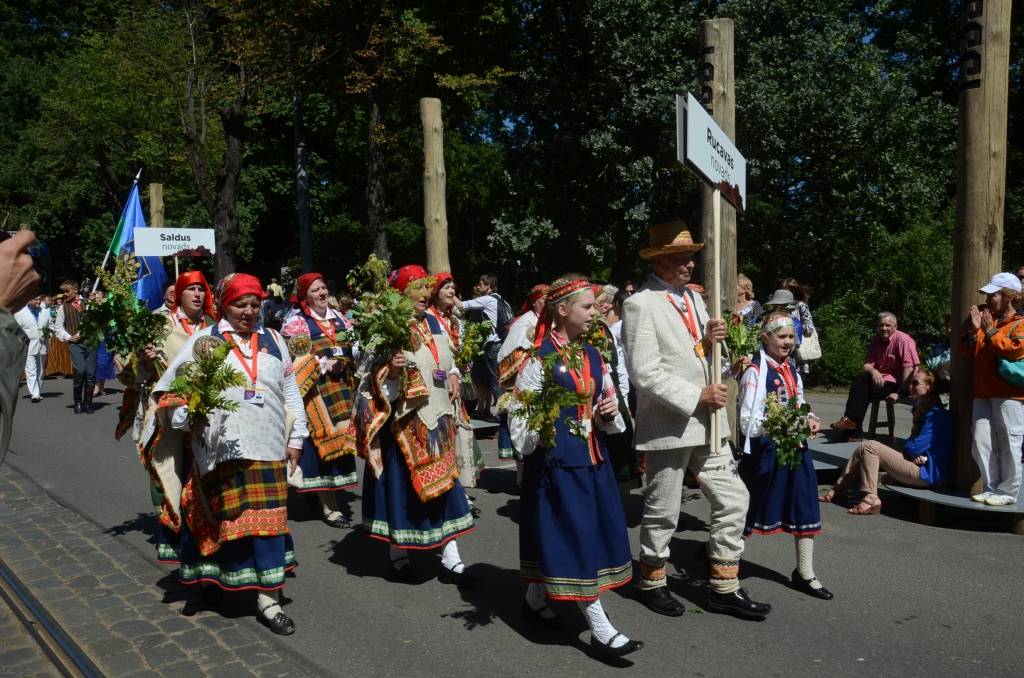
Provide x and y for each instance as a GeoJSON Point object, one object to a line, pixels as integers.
{"type": "Point", "coordinates": [1002, 281]}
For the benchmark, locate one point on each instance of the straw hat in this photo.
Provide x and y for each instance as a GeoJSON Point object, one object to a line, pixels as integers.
{"type": "Point", "coordinates": [669, 238]}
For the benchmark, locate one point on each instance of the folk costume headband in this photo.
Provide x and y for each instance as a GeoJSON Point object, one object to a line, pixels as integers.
{"type": "Point", "coordinates": [186, 280]}
{"type": "Point", "coordinates": [303, 284]}
{"type": "Point", "coordinates": [536, 292]}
{"type": "Point", "coordinates": [555, 295]}
{"type": "Point", "coordinates": [775, 325]}
{"type": "Point", "coordinates": [240, 285]}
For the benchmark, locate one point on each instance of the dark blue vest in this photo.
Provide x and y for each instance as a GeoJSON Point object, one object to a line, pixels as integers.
{"type": "Point", "coordinates": [570, 450]}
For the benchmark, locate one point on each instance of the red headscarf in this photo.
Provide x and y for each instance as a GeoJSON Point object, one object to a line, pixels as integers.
{"type": "Point", "coordinates": [536, 292]}
{"type": "Point", "coordinates": [440, 279]}
{"type": "Point", "coordinates": [240, 285]}
{"type": "Point", "coordinates": [401, 277]}
{"type": "Point", "coordinates": [306, 281]}
{"type": "Point", "coordinates": [554, 295]}
{"type": "Point", "coordinates": [188, 279]}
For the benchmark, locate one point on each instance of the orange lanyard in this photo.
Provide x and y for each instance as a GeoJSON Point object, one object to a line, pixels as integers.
{"type": "Point", "coordinates": [253, 348]}
{"type": "Point", "coordinates": [186, 325]}
{"type": "Point", "coordinates": [428, 339]}
{"type": "Point", "coordinates": [689, 320]}
{"type": "Point", "coordinates": [452, 328]}
{"type": "Point", "coordinates": [789, 379]}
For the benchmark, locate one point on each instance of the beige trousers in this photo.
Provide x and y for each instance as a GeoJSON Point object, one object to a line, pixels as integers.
{"type": "Point", "coordinates": [868, 459]}
{"type": "Point", "coordinates": [721, 485]}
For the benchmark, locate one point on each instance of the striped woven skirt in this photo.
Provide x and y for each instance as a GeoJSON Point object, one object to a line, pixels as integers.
{"type": "Point", "coordinates": [248, 500]}
{"type": "Point", "coordinates": [326, 476]}
{"type": "Point", "coordinates": [572, 530]}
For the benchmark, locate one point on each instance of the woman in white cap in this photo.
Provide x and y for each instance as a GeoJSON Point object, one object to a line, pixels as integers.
{"type": "Point", "coordinates": [994, 336]}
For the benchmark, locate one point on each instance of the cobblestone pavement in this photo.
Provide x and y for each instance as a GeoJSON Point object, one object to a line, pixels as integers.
{"type": "Point", "coordinates": [108, 598]}
{"type": "Point", "coordinates": [19, 653]}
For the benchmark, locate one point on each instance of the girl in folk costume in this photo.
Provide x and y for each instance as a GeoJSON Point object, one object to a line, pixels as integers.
{"type": "Point", "coordinates": [232, 510]}
{"type": "Point", "coordinates": [781, 499]}
{"type": "Point", "coordinates": [512, 355]}
{"type": "Point", "coordinates": [573, 542]}
{"type": "Point", "coordinates": [325, 373]}
{"type": "Point", "coordinates": [442, 308]}
{"type": "Point", "coordinates": [405, 427]}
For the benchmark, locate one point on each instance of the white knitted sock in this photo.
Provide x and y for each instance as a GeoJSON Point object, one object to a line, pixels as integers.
{"type": "Point", "coordinates": [450, 558]}
{"type": "Point", "coordinates": [537, 601]}
{"type": "Point", "coordinates": [805, 560]}
{"type": "Point", "coordinates": [600, 626]}
{"type": "Point", "coordinates": [267, 603]}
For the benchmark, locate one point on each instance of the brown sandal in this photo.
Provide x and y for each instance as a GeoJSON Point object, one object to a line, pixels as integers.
{"type": "Point", "coordinates": [871, 510]}
{"type": "Point", "coordinates": [828, 497]}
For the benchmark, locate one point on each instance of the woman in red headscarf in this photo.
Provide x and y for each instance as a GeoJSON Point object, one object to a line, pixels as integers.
{"type": "Point", "coordinates": [321, 346]}
{"type": "Point", "coordinates": [231, 515]}
{"type": "Point", "coordinates": [405, 427]}
{"type": "Point", "coordinates": [573, 542]}
{"type": "Point", "coordinates": [442, 308]}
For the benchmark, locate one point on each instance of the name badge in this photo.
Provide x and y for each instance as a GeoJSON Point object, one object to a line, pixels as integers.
{"type": "Point", "coordinates": [440, 376]}
{"type": "Point", "coordinates": [253, 397]}
{"type": "Point", "coordinates": [337, 352]}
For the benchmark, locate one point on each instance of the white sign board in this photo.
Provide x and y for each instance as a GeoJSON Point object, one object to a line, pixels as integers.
{"type": "Point", "coordinates": [174, 242]}
{"type": "Point", "coordinates": [702, 146]}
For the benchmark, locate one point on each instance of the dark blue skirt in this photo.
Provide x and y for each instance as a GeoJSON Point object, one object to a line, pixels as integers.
{"type": "Point", "coordinates": [505, 449]}
{"type": "Point", "coordinates": [104, 364]}
{"type": "Point", "coordinates": [241, 564]}
{"type": "Point", "coordinates": [324, 476]}
{"type": "Point", "coordinates": [393, 512]}
{"type": "Point", "coordinates": [781, 499]}
{"type": "Point", "coordinates": [572, 530]}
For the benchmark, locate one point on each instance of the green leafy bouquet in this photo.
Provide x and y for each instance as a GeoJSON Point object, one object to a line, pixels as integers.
{"type": "Point", "coordinates": [381, 314]}
{"type": "Point", "coordinates": [741, 340]}
{"type": "Point", "coordinates": [472, 347]}
{"type": "Point", "coordinates": [597, 337]}
{"type": "Point", "coordinates": [542, 408]}
{"type": "Point", "coordinates": [125, 323]}
{"type": "Point", "coordinates": [788, 426]}
{"type": "Point", "coordinates": [202, 381]}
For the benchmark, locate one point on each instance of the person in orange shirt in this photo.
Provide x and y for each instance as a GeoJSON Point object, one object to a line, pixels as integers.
{"type": "Point", "coordinates": [997, 331]}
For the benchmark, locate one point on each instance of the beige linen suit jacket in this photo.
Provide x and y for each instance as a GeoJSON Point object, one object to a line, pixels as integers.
{"type": "Point", "coordinates": [666, 372]}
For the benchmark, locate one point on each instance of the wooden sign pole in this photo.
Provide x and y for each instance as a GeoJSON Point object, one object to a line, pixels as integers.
{"type": "Point", "coordinates": [716, 309]}
{"type": "Point", "coordinates": [435, 212]}
{"type": "Point", "coordinates": [981, 189]}
{"type": "Point", "coordinates": [157, 212]}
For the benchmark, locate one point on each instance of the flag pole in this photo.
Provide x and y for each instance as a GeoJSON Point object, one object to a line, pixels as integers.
{"type": "Point", "coordinates": [106, 256]}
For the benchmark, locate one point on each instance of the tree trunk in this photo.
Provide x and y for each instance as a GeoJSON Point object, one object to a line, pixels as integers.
{"type": "Point", "coordinates": [224, 213]}
{"type": "Point", "coordinates": [375, 208]}
{"type": "Point", "coordinates": [980, 191]}
{"type": "Point", "coordinates": [302, 180]}
{"type": "Point", "coordinates": [435, 213]}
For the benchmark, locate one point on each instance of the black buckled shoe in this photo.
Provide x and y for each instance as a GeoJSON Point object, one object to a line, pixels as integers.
{"type": "Point", "coordinates": [342, 522]}
{"type": "Point", "coordinates": [661, 601]}
{"type": "Point", "coordinates": [738, 604]}
{"type": "Point", "coordinates": [464, 579]}
{"type": "Point", "coordinates": [537, 617]}
{"type": "Point", "coordinates": [804, 586]}
{"type": "Point", "coordinates": [281, 624]}
{"type": "Point", "coordinates": [606, 651]}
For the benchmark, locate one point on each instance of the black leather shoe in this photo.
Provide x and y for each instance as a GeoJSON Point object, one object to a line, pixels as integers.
{"type": "Point", "coordinates": [661, 601]}
{"type": "Point", "coordinates": [738, 604]}
{"type": "Point", "coordinates": [342, 523]}
{"type": "Point", "coordinates": [804, 586]}
{"type": "Point", "coordinates": [403, 572]}
{"type": "Point", "coordinates": [535, 617]}
{"type": "Point", "coordinates": [464, 579]}
{"type": "Point", "coordinates": [281, 624]}
{"type": "Point", "coordinates": [606, 651]}
{"type": "Point", "coordinates": [78, 407]}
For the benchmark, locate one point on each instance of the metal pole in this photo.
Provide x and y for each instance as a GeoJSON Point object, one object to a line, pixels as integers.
{"type": "Point", "coordinates": [716, 309]}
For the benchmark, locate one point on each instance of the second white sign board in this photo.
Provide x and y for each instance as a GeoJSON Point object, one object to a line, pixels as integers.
{"type": "Point", "coordinates": [702, 146]}
{"type": "Point", "coordinates": [174, 242]}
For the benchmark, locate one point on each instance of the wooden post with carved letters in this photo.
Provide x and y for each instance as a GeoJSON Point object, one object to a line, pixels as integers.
{"type": "Point", "coordinates": [718, 95]}
{"type": "Point", "coordinates": [981, 189]}
{"type": "Point", "coordinates": [435, 213]}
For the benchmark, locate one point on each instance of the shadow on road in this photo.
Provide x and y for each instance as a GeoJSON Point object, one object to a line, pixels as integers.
{"type": "Point", "coordinates": [145, 523]}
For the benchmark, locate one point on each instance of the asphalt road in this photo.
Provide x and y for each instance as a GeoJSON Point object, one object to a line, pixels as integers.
{"type": "Point", "coordinates": [910, 600]}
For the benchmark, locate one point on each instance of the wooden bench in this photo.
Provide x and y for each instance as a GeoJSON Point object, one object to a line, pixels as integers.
{"type": "Point", "coordinates": [928, 499]}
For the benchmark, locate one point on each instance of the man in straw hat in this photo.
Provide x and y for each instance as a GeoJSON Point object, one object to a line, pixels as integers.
{"type": "Point", "coordinates": [668, 339]}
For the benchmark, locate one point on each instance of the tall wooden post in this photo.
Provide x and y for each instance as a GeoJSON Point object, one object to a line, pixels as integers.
{"type": "Point", "coordinates": [718, 95]}
{"type": "Point", "coordinates": [981, 189]}
{"type": "Point", "coordinates": [156, 205]}
{"type": "Point", "coordinates": [435, 213]}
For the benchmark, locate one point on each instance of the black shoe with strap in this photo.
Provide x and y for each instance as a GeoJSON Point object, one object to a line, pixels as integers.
{"type": "Point", "coordinates": [661, 601]}
{"type": "Point", "coordinates": [606, 651]}
{"type": "Point", "coordinates": [804, 586]}
{"type": "Point", "coordinates": [281, 624]}
{"type": "Point", "coordinates": [538, 617]}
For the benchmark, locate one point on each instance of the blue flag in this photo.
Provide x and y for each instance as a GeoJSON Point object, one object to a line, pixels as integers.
{"type": "Point", "coordinates": [152, 280]}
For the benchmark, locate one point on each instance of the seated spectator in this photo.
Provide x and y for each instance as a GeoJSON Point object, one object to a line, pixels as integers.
{"type": "Point", "coordinates": [998, 427]}
{"type": "Point", "coordinates": [925, 457]}
{"type": "Point", "coordinates": [892, 357]}
{"type": "Point", "coordinates": [746, 308]}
